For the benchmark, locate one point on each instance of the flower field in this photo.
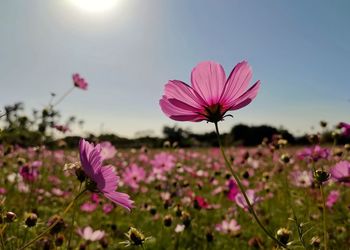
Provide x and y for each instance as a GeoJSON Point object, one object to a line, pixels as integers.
{"type": "Point", "coordinates": [183, 199]}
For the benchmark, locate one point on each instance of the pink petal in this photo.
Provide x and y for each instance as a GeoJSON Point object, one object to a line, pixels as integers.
{"type": "Point", "coordinates": [246, 98]}
{"type": "Point", "coordinates": [178, 114]}
{"type": "Point", "coordinates": [121, 199]}
{"type": "Point", "coordinates": [237, 82]}
{"type": "Point", "coordinates": [208, 80]}
{"type": "Point", "coordinates": [181, 91]}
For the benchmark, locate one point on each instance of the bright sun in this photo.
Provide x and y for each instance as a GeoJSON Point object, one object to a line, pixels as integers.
{"type": "Point", "coordinates": [95, 5]}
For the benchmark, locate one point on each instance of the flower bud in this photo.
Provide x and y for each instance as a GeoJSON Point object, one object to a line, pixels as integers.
{"type": "Point", "coordinates": [209, 236]}
{"type": "Point", "coordinates": [167, 220]}
{"type": "Point", "coordinates": [315, 241]}
{"type": "Point", "coordinates": [283, 235]}
{"type": "Point", "coordinates": [135, 236]}
{"type": "Point", "coordinates": [59, 224]}
{"type": "Point", "coordinates": [285, 158]}
{"type": "Point", "coordinates": [10, 217]}
{"type": "Point", "coordinates": [31, 219]}
{"type": "Point", "coordinates": [59, 240]}
{"type": "Point", "coordinates": [186, 218]}
{"type": "Point", "coordinates": [321, 176]}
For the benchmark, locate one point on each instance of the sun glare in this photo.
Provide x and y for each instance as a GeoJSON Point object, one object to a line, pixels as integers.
{"type": "Point", "coordinates": [95, 6]}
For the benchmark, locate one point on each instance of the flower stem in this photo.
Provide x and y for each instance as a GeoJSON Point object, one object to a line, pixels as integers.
{"type": "Point", "coordinates": [53, 224]}
{"type": "Point", "coordinates": [73, 218]}
{"type": "Point", "coordinates": [324, 217]}
{"type": "Point", "coordinates": [241, 187]}
{"type": "Point", "coordinates": [63, 96]}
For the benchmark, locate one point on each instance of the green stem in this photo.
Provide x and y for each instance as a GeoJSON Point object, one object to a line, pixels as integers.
{"type": "Point", "coordinates": [62, 97]}
{"type": "Point", "coordinates": [72, 222]}
{"type": "Point", "coordinates": [324, 217]}
{"type": "Point", "coordinates": [241, 187]}
{"type": "Point", "coordinates": [53, 224]}
{"type": "Point", "coordinates": [295, 219]}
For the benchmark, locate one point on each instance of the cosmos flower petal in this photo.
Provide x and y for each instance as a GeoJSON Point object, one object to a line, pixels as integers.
{"type": "Point", "coordinates": [247, 97]}
{"type": "Point", "coordinates": [208, 80]}
{"type": "Point", "coordinates": [121, 199]}
{"type": "Point", "coordinates": [179, 90]}
{"type": "Point", "coordinates": [237, 82]}
{"type": "Point", "coordinates": [178, 114]}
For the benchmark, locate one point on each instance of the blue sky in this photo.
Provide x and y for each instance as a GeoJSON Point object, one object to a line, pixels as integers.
{"type": "Point", "coordinates": [299, 50]}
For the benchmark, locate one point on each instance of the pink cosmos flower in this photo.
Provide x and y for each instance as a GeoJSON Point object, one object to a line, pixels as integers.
{"type": "Point", "coordinates": [88, 207]}
{"type": "Point", "coordinates": [233, 190]}
{"type": "Point", "coordinates": [228, 227]}
{"type": "Point", "coordinates": [345, 128]}
{"type": "Point", "coordinates": [89, 235]}
{"type": "Point", "coordinates": [102, 178]}
{"type": "Point", "coordinates": [108, 150]}
{"type": "Point", "coordinates": [332, 198]}
{"type": "Point", "coordinates": [79, 82]}
{"type": "Point", "coordinates": [241, 202]}
{"type": "Point", "coordinates": [341, 172]}
{"type": "Point", "coordinates": [29, 172]}
{"type": "Point", "coordinates": [210, 95]}
{"type": "Point", "coordinates": [107, 208]}
{"type": "Point", "coordinates": [301, 178]}
{"type": "Point", "coordinates": [133, 175]}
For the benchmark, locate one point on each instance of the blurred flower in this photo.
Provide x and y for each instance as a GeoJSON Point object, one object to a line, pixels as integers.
{"type": "Point", "coordinates": [79, 82]}
{"type": "Point", "coordinates": [345, 128]}
{"type": "Point", "coordinates": [211, 94]}
{"type": "Point", "coordinates": [102, 178]}
{"type": "Point", "coordinates": [314, 153]}
{"type": "Point", "coordinates": [240, 200]}
{"type": "Point", "coordinates": [332, 198]}
{"type": "Point", "coordinates": [341, 172]}
{"type": "Point", "coordinates": [301, 178]}
{"type": "Point", "coordinates": [107, 208]}
{"type": "Point", "coordinates": [133, 175]}
{"type": "Point", "coordinates": [61, 128]}
{"type": "Point", "coordinates": [233, 190]}
{"type": "Point", "coordinates": [88, 207]}
{"type": "Point", "coordinates": [200, 202]}
{"type": "Point", "coordinates": [228, 227]}
{"type": "Point", "coordinates": [108, 150]}
{"type": "Point", "coordinates": [89, 235]}
{"type": "Point", "coordinates": [179, 228]}
{"type": "Point", "coordinates": [163, 162]}
{"type": "Point", "coordinates": [29, 172]}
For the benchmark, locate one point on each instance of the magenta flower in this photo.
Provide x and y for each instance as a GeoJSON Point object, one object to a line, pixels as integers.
{"type": "Point", "coordinates": [101, 178]}
{"type": "Point", "coordinates": [29, 172]}
{"type": "Point", "coordinates": [233, 190]}
{"type": "Point", "coordinates": [332, 198]}
{"type": "Point", "coordinates": [79, 82]}
{"type": "Point", "coordinates": [341, 172]}
{"type": "Point", "coordinates": [210, 95]}
{"type": "Point", "coordinates": [345, 128]}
